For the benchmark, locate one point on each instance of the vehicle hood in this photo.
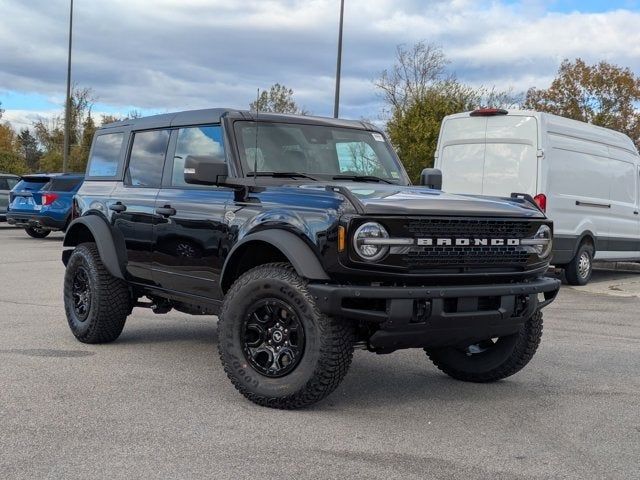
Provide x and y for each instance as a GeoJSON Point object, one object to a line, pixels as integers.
{"type": "Point", "coordinates": [376, 199]}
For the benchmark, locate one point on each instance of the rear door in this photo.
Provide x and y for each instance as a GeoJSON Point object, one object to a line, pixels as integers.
{"type": "Point", "coordinates": [134, 200]}
{"type": "Point", "coordinates": [490, 155]}
{"type": "Point", "coordinates": [461, 158]}
{"type": "Point", "coordinates": [191, 238]}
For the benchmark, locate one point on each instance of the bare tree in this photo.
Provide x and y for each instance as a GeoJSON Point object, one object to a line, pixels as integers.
{"type": "Point", "coordinates": [415, 72]}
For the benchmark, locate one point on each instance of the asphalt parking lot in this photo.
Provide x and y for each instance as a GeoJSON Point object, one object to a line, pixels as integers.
{"type": "Point", "coordinates": [157, 404]}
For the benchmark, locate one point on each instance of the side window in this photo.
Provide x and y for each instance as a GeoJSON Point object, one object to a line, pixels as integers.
{"type": "Point", "coordinates": [358, 157]}
{"type": "Point", "coordinates": [147, 158]}
{"type": "Point", "coordinates": [203, 140]}
{"type": "Point", "coordinates": [105, 155]}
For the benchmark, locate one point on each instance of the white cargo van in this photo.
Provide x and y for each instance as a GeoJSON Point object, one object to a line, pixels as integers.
{"type": "Point", "coordinates": [584, 177]}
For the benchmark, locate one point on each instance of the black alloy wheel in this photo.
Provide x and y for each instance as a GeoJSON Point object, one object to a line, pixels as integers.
{"type": "Point", "coordinates": [273, 338]}
{"type": "Point", "coordinates": [81, 293]}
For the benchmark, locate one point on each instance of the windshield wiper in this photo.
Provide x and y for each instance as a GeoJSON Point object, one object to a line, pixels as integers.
{"type": "Point", "coordinates": [362, 178]}
{"type": "Point", "coordinates": [282, 175]}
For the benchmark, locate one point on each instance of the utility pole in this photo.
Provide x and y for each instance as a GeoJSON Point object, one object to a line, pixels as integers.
{"type": "Point", "coordinates": [336, 107]}
{"type": "Point", "coordinates": [67, 109]}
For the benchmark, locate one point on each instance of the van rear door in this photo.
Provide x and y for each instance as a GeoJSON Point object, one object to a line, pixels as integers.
{"type": "Point", "coordinates": [490, 155]}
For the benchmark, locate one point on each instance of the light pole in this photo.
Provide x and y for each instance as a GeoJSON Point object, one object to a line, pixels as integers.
{"type": "Point", "coordinates": [67, 109]}
{"type": "Point", "coordinates": [336, 107]}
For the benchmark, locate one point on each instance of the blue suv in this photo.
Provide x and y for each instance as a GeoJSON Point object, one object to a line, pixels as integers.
{"type": "Point", "coordinates": [42, 203]}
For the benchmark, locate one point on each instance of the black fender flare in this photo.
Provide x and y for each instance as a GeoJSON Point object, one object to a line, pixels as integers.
{"type": "Point", "coordinates": [112, 252]}
{"type": "Point", "coordinates": [300, 255]}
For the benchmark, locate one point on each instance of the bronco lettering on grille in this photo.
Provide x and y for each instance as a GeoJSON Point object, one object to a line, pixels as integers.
{"type": "Point", "coordinates": [467, 242]}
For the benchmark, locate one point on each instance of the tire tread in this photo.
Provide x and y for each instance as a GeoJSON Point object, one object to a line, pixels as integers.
{"type": "Point", "coordinates": [526, 347]}
{"type": "Point", "coordinates": [336, 351]}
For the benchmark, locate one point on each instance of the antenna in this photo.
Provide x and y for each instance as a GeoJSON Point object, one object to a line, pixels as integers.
{"type": "Point", "coordinates": [255, 152]}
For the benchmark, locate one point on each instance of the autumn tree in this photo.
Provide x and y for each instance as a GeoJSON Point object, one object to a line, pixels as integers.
{"type": "Point", "coordinates": [50, 134]}
{"type": "Point", "coordinates": [278, 99]}
{"type": "Point", "coordinates": [602, 94]}
{"type": "Point", "coordinates": [10, 159]}
{"type": "Point", "coordinates": [418, 93]}
{"type": "Point", "coordinates": [30, 149]}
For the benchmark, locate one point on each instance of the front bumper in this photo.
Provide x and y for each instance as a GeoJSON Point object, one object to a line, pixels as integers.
{"type": "Point", "coordinates": [36, 221]}
{"type": "Point", "coordinates": [408, 317]}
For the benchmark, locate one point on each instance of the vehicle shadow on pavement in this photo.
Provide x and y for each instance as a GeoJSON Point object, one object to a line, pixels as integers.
{"type": "Point", "coordinates": [143, 333]}
{"type": "Point", "coordinates": [396, 384]}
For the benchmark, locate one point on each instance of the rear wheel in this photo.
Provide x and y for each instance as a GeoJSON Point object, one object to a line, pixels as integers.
{"type": "Point", "coordinates": [96, 303]}
{"type": "Point", "coordinates": [36, 232]}
{"type": "Point", "coordinates": [492, 359]}
{"type": "Point", "coordinates": [277, 349]}
{"type": "Point", "coordinates": [579, 270]}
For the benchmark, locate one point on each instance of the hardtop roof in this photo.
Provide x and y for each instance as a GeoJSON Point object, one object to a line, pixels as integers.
{"type": "Point", "coordinates": [214, 115]}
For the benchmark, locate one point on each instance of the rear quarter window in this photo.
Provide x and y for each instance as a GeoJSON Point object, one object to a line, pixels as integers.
{"type": "Point", "coordinates": [106, 156]}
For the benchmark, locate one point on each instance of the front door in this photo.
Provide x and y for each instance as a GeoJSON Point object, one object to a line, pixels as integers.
{"type": "Point", "coordinates": [191, 238]}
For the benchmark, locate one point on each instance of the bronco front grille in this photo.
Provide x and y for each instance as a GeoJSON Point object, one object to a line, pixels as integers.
{"type": "Point", "coordinates": [468, 228]}
{"type": "Point", "coordinates": [469, 257]}
{"type": "Point", "coordinates": [431, 257]}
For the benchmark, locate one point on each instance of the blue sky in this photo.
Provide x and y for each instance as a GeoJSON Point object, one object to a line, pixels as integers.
{"type": "Point", "coordinates": [184, 54]}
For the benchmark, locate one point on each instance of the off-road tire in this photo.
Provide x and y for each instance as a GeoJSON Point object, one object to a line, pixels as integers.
{"type": "Point", "coordinates": [328, 348]}
{"type": "Point", "coordinates": [37, 232]}
{"type": "Point", "coordinates": [110, 299]}
{"type": "Point", "coordinates": [573, 272]}
{"type": "Point", "coordinates": [508, 356]}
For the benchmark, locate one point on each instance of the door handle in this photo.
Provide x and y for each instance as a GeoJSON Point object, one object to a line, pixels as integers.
{"type": "Point", "coordinates": [635, 212]}
{"type": "Point", "coordinates": [166, 211]}
{"type": "Point", "coordinates": [118, 207]}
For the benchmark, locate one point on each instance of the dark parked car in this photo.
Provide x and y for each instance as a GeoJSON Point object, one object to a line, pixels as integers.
{"type": "Point", "coordinates": [42, 203]}
{"type": "Point", "coordinates": [7, 182]}
{"type": "Point", "coordinates": [306, 238]}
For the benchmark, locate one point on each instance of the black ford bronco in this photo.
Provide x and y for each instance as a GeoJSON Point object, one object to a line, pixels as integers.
{"type": "Point", "coordinates": [307, 240]}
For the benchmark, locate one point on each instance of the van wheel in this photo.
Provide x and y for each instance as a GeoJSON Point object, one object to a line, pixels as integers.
{"type": "Point", "coordinates": [36, 232]}
{"type": "Point", "coordinates": [277, 349]}
{"type": "Point", "coordinates": [579, 270]}
{"type": "Point", "coordinates": [96, 303]}
{"type": "Point", "coordinates": [490, 360]}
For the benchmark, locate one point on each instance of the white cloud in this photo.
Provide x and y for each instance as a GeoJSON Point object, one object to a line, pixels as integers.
{"type": "Point", "coordinates": [181, 54]}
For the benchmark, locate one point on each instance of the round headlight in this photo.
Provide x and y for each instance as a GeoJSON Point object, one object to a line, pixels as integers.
{"type": "Point", "coordinates": [370, 231]}
{"type": "Point", "coordinates": [543, 249]}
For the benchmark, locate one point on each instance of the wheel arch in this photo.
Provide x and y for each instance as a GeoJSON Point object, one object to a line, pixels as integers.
{"type": "Point", "coordinates": [269, 246]}
{"type": "Point", "coordinates": [92, 228]}
{"type": "Point", "coordinates": [586, 236]}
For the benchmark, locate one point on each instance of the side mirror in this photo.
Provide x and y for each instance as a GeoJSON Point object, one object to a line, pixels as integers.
{"type": "Point", "coordinates": [205, 170]}
{"type": "Point", "coordinates": [431, 178]}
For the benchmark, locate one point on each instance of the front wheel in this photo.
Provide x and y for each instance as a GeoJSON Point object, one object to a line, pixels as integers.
{"type": "Point", "coordinates": [36, 232]}
{"type": "Point", "coordinates": [277, 349]}
{"type": "Point", "coordinates": [492, 359]}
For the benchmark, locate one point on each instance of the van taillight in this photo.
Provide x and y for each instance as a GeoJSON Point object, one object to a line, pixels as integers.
{"type": "Point", "coordinates": [541, 201]}
{"type": "Point", "coordinates": [49, 198]}
{"type": "Point", "coordinates": [488, 112]}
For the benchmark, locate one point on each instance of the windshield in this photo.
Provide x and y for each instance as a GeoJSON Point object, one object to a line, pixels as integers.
{"type": "Point", "coordinates": [317, 151]}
